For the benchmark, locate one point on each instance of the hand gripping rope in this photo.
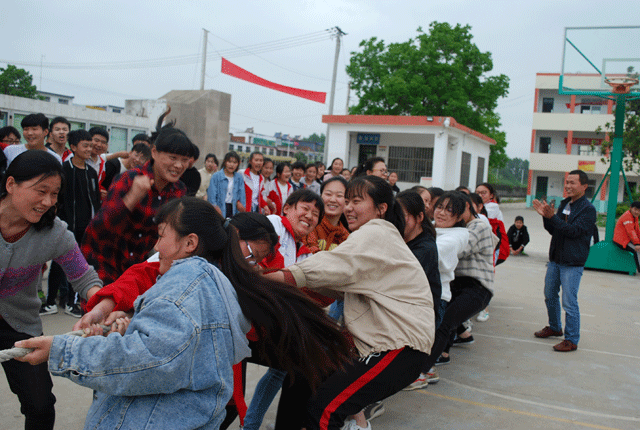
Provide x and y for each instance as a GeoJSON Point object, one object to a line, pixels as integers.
{"type": "Point", "coordinates": [8, 354]}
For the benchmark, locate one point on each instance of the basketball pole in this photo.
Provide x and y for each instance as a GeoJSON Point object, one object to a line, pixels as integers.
{"type": "Point", "coordinates": [616, 166]}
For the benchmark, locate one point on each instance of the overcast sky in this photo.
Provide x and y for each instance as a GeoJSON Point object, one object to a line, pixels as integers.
{"type": "Point", "coordinates": [524, 37]}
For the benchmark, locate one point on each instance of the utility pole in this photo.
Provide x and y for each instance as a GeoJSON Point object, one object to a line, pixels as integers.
{"type": "Point", "coordinates": [41, 58]}
{"type": "Point", "coordinates": [204, 58]}
{"type": "Point", "coordinates": [338, 33]}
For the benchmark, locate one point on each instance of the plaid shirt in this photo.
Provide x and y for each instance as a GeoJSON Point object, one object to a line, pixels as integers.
{"type": "Point", "coordinates": [116, 238]}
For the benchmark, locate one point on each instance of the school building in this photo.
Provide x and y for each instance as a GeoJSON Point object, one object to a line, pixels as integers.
{"type": "Point", "coordinates": [202, 115]}
{"type": "Point", "coordinates": [422, 150]}
{"type": "Point", "coordinates": [564, 138]}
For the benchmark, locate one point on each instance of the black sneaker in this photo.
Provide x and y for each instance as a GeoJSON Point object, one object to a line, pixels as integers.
{"type": "Point", "coordinates": [73, 310]}
{"type": "Point", "coordinates": [463, 341]}
{"type": "Point", "coordinates": [443, 360]}
{"type": "Point", "coordinates": [48, 309]}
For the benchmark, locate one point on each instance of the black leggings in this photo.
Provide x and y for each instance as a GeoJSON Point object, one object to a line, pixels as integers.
{"type": "Point", "coordinates": [468, 297]}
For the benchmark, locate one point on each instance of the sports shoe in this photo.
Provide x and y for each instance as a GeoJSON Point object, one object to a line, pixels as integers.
{"type": "Point", "coordinates": [73, 310]}
{"type": "Point", "coordinates": [48, 309]}
{"type": "Point", "coordinates": [483, 316]}
{"type": "Point", "coordinates": [547, 332]}
{"type": "Point", "coordinates": [565, 346]}
{"type": "Point", "coordinates": [373, 410]}
{"type": "Point", "coordinates": [463, 341]}
{"type": "Point", "coordinates": [352, 425]}
{"type": "Point", "coordinates": [432, 376]}
{"type": "Point", "coordinates": [443, 360]}
{"type": "Point", "coordinates": [418, 384]}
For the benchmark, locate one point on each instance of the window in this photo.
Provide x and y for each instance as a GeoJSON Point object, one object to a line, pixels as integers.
{"type": "Point", "coordinates": [117, 139]}
{"type": "Point", "coordinates": [247, 149]}
{"type": "Point", "coordinates": [480, 173]}
{"type": "Point", "coordinates": [116, 110]}
{"type": "Point", "coordinates": [545, 142]}
{"type": "Point", "coordinates": [230, 147]}
{"type": "Point", "coordinates": [270, 151]}
{"type": "Point", "coordinates": [63, 101]}
{"type": "Point", "coordinates": [239, 149]}
{"type": "Point", "coordinates": [264, 150]}
{"type": "Point", "coordinates": [547, 104]}
{"type": "Point", "coordinates": [411, 163]}
{"type": "Point", "coordinates": [465, 169]}
{"type": "Point", "coordinates": [46, 98]}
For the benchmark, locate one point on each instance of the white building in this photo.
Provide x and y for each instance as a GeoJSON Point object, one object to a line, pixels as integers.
{"type": "Point", "coordinates": [426, 150]}
{"type": "Point", "coordinates": [121, 127]}
{"type": "Point", "coordinates": [278, 148]}
{"type": "Point", "coordinates": [562, 137]}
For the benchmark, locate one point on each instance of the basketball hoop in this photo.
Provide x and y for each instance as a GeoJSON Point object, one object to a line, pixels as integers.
{"type": "Point", "coordinates": [621, 85]}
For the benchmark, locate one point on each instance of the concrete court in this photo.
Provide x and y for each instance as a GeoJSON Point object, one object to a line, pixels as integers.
{"type": "Point", "coordinates": [507, 379]}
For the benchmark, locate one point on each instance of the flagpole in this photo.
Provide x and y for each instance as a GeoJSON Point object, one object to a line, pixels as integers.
{"type": "Point", "coordinates": [204, 59]}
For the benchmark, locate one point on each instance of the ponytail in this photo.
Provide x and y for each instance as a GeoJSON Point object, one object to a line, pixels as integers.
{"type": "Point", "coordinates": [294, 333]}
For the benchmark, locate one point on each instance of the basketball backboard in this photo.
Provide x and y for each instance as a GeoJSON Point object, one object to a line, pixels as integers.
{"type": "Point", "coordinates": [592, 54]}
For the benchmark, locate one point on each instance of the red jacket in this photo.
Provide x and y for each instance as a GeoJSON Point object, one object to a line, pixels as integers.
{"type": "Point", "coordinates": [248, 190]}
{"type": "Point", "coordinates": [627, 230]}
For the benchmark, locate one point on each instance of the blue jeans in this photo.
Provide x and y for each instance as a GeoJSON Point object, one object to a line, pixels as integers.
{"type": "Point", "coordinates": [266, 391]}
{"type": "Point", "coordinates": [569, 278]}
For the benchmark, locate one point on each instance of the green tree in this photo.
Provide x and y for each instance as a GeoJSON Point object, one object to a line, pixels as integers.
{"type": "Point", "coordinates": [315, 138]}
{"type": "Point", "coordinates": [301, 156]}
{"type": "Point", "coordinates": [17, 82]}
{"type": "Point", "coordinates": [630, 138]}
{"type": "Point", "coordinates": [439, 73]}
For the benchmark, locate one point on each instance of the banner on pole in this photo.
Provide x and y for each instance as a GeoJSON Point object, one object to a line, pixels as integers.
{"type": "Point", "coordinates": [228, 68]}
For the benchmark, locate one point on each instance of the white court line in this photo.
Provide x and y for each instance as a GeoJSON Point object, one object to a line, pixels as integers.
{"type": "Point", "coordinates": [637, 322]}
{"type": "Point", "coordinates": [507, 307]}
{"type": "Point", "coordinates": [544, 405]}
{"type": "Point", "coordinates": [582, 330]}
{"type": "Point", "coordinates": [547, 344]}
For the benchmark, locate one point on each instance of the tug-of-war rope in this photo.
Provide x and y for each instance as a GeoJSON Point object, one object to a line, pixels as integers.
{"type": "Point", "coordinates": [9, 354]}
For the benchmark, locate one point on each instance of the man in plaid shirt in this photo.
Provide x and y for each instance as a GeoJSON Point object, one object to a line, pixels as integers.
{"type": "Point", "coordinates": [123, 232]}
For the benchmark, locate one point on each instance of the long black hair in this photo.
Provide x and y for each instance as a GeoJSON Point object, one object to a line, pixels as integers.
{"type": "Point", "coordinates": [31, 164]}
{"type": "Point", "coordinates": [255, 226]}
{"type": "Point", "coordinates": [380, 192]}
{"type": "Point", "coordinates": [294, 333]}
{"type": "Point", "coordinates": [412, 202]}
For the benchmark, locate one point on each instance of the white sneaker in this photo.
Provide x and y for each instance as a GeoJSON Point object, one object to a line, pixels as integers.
{"type": "Point", "coordinates": [351, 425]}
{"type": "Point", "coordinates": [483, 316]}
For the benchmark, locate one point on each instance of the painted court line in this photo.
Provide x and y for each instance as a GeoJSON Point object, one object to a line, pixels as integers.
{"type": "Point", "coordinates": [520, 308]}
{"type": "Point", "coordinates": [539, 404]}
{"type": "Point", "coordinates": [547, 344]}
{"type": "Point", "coordinates": [515, 411]}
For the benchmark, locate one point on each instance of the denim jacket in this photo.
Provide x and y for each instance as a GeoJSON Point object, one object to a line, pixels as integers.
{"type": "Point", "coordinates": [217, 191]}
{"type": "Point", "coordinates": [172, 368]}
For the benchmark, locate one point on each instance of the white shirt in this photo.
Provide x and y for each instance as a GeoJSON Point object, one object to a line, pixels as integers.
{"type": "Point", "coordinates": [255, 190]}
{"type": "Point", "coordinates": [229, 197]}
{"type": "Point", "coordinates": [12, 151]}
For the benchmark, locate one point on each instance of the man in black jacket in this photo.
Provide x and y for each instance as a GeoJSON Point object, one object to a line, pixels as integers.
{"type": "Point", "coordinates": [571, 229]}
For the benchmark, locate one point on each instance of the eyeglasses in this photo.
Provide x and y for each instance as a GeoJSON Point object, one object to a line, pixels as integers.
{"type": "Point", "coordinates": [383, 171]}
{"type": "Point", "coordinates": [251, 259]}
{"type": "Point", "coordinates": [442, 208]}
{"type": "Point", "coordinates": [11, 141]}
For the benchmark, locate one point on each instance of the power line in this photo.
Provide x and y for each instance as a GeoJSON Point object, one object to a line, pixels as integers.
{"type": "Point", "coordinates": [179, 60]}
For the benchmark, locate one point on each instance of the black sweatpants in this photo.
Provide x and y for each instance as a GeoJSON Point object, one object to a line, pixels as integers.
{"type": "Point", "coordinates": [468, 297]}
{"type": "Point", "coordinates": [32, 384]}
{"type": "Point", "coordinates": [346, 392]}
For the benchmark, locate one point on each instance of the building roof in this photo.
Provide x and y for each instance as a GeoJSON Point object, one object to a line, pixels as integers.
{"type": "Point", "coordinates": [399, 120]}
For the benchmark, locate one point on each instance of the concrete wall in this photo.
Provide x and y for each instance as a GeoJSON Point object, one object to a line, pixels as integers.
{"type": "Point", "coordinates": [204, 116]}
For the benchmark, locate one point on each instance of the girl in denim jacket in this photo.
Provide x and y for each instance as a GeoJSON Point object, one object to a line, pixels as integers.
{"type": "Point", "coordinates": [189, 329]}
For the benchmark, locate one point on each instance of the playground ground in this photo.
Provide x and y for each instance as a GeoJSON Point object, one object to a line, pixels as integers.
{"type": "Point", "coordinates": [507, 379]}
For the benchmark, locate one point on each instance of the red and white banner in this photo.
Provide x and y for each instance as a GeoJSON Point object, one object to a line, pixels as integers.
{"type": "Point", "coordinates": [228, 68]}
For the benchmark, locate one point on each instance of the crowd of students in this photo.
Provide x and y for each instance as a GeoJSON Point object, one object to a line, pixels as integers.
{"type": "Point", "coordinates": [198, 274]}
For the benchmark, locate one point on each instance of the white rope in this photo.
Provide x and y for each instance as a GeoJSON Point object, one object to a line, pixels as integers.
{"type": "Point", "coordinates": [9, 354]}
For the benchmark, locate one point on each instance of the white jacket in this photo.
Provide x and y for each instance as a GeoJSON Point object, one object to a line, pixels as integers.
{"type": "Point", "coordinates": [450, 242]}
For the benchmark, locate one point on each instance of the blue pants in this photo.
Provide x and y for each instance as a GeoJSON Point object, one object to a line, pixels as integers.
{"type": "Point", "coordinates": [266, 391]}
{"type": "Point", "coordinates": [569, 277]}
